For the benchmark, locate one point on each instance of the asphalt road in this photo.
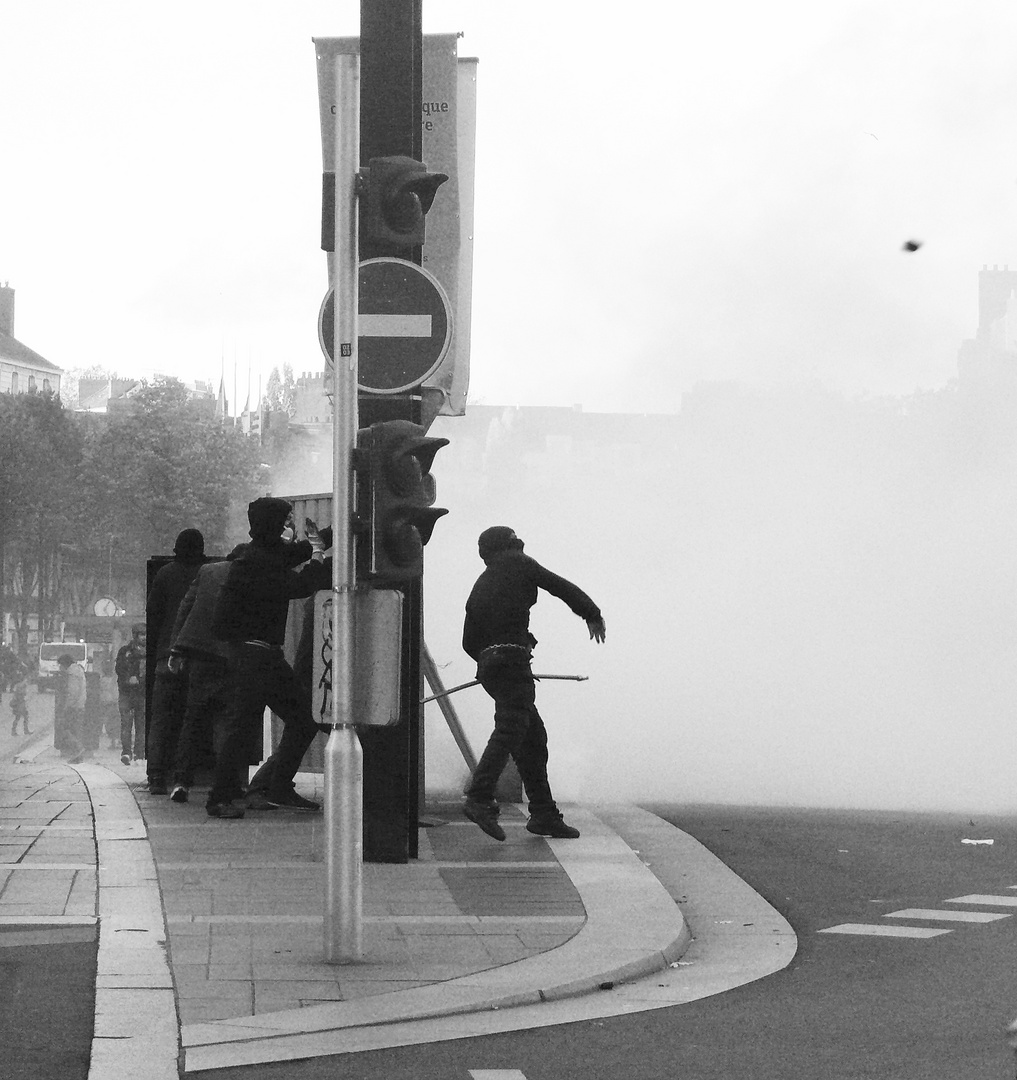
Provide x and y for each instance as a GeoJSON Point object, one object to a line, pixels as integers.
{"type": "Point", "coordinates": [847, 1008]}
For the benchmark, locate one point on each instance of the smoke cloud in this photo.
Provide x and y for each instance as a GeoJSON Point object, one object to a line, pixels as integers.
{"type": "Point", "coordinates": [809, 599]}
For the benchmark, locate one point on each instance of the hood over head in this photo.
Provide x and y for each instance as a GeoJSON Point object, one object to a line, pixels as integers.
{"type": "Point", "coordinates": [496, 539]}
{"type": "Point", "coordinates": [268, 518]}
{"type": "Point", "coordinates": [190, 546]}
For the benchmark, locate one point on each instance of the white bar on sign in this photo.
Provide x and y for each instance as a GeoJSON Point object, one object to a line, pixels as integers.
{"type": "Point", "coordinates": [394, 325]}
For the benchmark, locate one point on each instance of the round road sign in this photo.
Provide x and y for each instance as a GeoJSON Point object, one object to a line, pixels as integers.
{"type": "Point", "coordinates": [404, 325]}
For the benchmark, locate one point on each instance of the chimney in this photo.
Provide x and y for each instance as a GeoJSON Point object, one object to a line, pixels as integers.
{"type": "Point", "coordinates": [6, 309]}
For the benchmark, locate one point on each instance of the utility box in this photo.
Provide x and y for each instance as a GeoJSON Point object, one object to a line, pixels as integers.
{"type": "Point", "coordinates": [377, 651]}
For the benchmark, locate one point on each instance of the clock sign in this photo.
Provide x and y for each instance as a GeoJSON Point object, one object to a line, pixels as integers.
{"type": "Point", "coordinates": [105, 606]}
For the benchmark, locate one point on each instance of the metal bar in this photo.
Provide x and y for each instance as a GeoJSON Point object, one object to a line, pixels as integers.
{"type": "Point", "coordinates": [344, 762]}
{"type": "Point", "coordinates": [441, 693]}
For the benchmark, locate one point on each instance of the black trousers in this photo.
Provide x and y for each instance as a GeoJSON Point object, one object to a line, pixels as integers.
{"type": "Point", "coordinates": [260, 677]}
{"type": "Point", "coordinates": [519, 732]}
{"type": "Point", "coordinates": [169, 699]}
{"type": "Point", "coordinates": [131, 704]}
{"type": "Point", "coordinates": [207, 695]}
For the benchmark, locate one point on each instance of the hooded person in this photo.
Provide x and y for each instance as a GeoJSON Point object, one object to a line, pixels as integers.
{"type": "Point", "coordinates": [250, 620]}
{"type": "Point", "coordinates": [169, 688]}
{"type": "Point", "coordinates": [497, 635]}
{"type": "Point", "coordinates": [194, 652]}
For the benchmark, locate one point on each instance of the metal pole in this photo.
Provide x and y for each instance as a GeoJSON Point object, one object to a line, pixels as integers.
{"type": "Point", "coordinates": [344, 761]}
{"type": "Point", "coordinates": [447, 709]}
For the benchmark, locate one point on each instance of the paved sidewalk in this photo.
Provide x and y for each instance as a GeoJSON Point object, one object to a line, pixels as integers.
{"type": "Point", "coordinates": [211, 951]}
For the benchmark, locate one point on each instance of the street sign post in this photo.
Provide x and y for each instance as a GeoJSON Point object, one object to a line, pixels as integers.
{"type": "Point", "coordinates": [344, 762]}
{"type": "Point", "coordinates": [404, 329]}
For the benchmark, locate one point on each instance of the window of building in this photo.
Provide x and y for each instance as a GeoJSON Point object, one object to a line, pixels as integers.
{"type": "Point", "coordinates": [31, 384]}
{"type": "Point", "coordinates": [14, 382]}
{"type": "Point", "coordinates": [45, 384]}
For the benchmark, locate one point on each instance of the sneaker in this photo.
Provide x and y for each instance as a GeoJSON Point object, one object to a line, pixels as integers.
{"type": "Point", "coordinates": [258, 800]}
{"type": "Point", "coordinates": [179, 793]}
{"type": "Point", "coordinates": [290, 800]}
{"type": "Point", "coordinates": [486, 816]}
{"type": "Point", "coordinates": [233, 809]}
{"type": "Point", "coordinates": [156, 786]}
{"type": "Point", "coordinates": [551, 825]}
{"type": "Point", "coordinates": [125, 758]}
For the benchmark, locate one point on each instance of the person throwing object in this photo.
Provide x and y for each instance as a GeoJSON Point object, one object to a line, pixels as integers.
{"type": "Point", "coordinates": [497, 635]}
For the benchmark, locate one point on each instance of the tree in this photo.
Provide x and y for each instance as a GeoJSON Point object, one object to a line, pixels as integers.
{"type": "Point", "coordinates": [158, 463]}
{"type": "Point", "coordinates": [40, 453]}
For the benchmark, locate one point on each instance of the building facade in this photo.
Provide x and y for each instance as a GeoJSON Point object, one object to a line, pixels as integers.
{"type": "Point", "coordinates": [22, 370]}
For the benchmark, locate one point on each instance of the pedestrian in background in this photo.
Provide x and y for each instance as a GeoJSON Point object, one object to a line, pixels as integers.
{"type": "Point", "coordinates": [130, 673]}
{"type": "Point", "coordinates": [250, 618]}
{"type": "Point", "coordinates": [169, 688]}
{"type": "Point", "coordinates": [73, 709]}
{"type": "Point", "coordinates": [19, 704]}
{"type": "Point", "coordinates": [109, 697]}
{"type": "Point", "coordinates": [10, 665]}
{"type": "Point", "coordinates": [497, 635]}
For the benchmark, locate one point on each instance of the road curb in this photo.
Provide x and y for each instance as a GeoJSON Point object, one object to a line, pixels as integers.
{"type": "Point", "coordinates": [137, 1028]}
{"type": "Point", "coordinates": [633, 928]}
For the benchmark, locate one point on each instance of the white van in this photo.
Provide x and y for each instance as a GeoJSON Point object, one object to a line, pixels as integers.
{"type": "Point", "coordinates": [51, 651]}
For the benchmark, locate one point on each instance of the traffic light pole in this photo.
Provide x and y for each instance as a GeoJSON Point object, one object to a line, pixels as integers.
{"type": "Point", "coordinates": [390, 117]}
{"type": "Point", "coordinates": [344, 761]}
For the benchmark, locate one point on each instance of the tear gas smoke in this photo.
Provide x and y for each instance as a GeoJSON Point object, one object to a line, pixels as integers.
{"type": "Point", "coordinates": [809, 600]}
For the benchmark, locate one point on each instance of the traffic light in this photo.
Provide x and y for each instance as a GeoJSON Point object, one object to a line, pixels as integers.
{"type": "Point", "coordinates": [399, 192]}
{"type": "Point", "coordinates": [396, 494]}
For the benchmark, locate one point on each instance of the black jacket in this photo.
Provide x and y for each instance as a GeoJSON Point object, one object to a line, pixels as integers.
{"type": "Point", "coordinates": [169, 586]}
{"type": "Point", "coordinates": [254, 601]}
{"type": "Point", "coordinates": [498, 610]}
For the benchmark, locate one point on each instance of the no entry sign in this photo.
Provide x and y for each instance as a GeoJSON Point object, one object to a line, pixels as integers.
{"type": "Point", "coordinates": [404, 325]}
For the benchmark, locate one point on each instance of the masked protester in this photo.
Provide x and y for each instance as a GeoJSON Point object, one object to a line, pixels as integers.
{"type": "Point", "coordinates": [497, 635]}
{"type": "Point", "coordinates": [250, 619]}
{"type": "Point", "coordinates": [194, 652]}
{"type": "Point", "coordinates": [169, 689]}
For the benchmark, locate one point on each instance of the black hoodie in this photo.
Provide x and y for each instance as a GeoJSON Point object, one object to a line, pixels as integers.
{"type": "Point", "coordinates": [254, 602]}
{"type": "Point", "coordinates": [498, 610]}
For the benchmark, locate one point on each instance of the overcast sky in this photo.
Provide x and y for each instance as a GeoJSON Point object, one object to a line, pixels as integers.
{"type": "Point", "coordinates": [665, 192]}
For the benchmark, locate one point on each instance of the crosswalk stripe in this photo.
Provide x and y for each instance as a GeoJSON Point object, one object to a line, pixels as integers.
{"type": "Point", "coordinates": [984, 898]}
{"type": "Point", "coordinates": [943, 915]}
{"type": "Point", "coordinates": [496, 1074]}
{"type": "Point", "coordinates": [878, 930]}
